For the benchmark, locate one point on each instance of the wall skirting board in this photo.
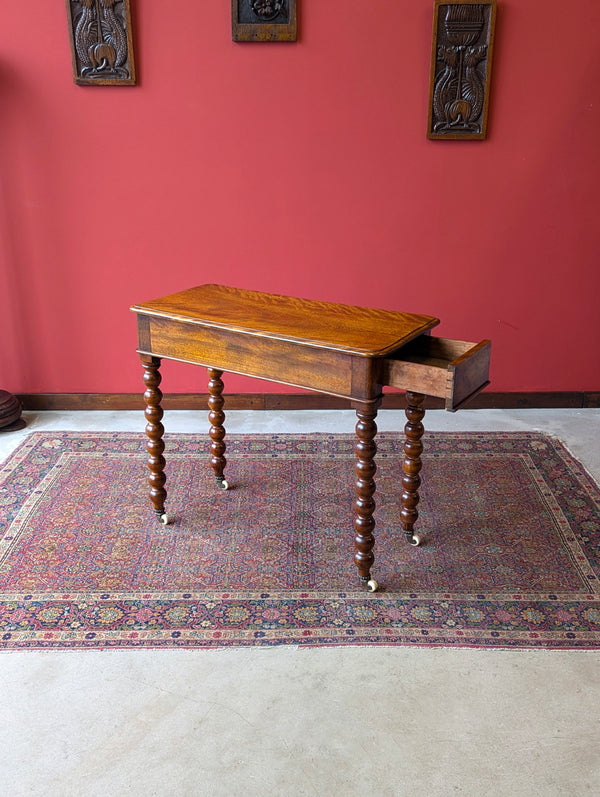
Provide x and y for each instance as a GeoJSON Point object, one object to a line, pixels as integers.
{"type": "Point", "coordinates": [296, 401]}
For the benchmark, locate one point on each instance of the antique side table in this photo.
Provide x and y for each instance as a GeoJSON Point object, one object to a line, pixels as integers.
{"type": "Point", "coordinates": [342, 350]}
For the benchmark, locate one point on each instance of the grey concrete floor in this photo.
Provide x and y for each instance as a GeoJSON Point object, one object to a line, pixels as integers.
{"type": "Point", "coordinates": [288, 721]}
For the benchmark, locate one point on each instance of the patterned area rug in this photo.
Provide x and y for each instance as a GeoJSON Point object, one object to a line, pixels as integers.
{"type": "Point", "coordinates": [510, 556]}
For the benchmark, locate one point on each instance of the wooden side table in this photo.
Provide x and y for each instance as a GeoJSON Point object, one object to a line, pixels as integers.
{"type": "Point", "coordinates": [341, 350]}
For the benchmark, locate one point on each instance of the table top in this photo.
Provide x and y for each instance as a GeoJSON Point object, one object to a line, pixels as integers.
{"type": "Point", "coordinates": [358, 330]}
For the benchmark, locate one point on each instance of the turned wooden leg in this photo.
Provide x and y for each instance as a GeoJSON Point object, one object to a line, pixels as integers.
{"type": "Point", "coordinates": [364, 504]}
{"type": "Point", "coordinates": [411, 465]}
{"type": "Point", "coordinates": [216, 416]}
{"type": "Point", "coordinates": [154, 431]}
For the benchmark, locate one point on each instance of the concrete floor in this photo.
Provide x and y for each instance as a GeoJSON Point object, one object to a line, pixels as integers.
{"type": "Point", "coordinates": [285, 721]}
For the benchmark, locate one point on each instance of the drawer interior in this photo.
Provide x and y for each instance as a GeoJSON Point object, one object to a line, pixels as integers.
{"type": "Point", "coordinates": [454, 370]}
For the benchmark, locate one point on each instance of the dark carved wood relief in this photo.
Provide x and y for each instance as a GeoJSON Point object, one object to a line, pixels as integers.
{"type": "Point", "coordinates": [263, 20]}
{"type": "Point", "coordinates": [101, 42]}
{"type": "Point", "coordinates": [461, 61]}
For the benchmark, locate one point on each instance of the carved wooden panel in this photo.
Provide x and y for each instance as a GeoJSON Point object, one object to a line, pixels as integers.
{"type": "Point", "coordinates": [101, 42]}
{"type": "Point", "coordinates": [263, 20]}
{"type": "Point", "coordinates": [461, 63]}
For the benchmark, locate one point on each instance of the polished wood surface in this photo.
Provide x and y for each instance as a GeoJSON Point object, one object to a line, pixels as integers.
{"type": "Point", "coordinates": [341, 350]}
{"type": "Point", "coordinates": [360, 330]}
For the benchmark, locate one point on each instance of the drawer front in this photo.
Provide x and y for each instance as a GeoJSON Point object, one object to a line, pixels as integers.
{"type": "Point", "coordinates": [453, 370]}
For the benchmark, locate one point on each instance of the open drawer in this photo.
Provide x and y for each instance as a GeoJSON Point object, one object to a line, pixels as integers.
{"type": "Point", "coordinates": [450, 369]}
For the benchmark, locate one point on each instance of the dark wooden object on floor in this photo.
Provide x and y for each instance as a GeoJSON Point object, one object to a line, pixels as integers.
{"type": "Point", "coordinates": [345, 351]}
{"type": "Point", "coordinates": [10, 413]}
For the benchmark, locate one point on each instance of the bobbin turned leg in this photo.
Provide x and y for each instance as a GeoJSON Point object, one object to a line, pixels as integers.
{"type": "Point", "coordinates": [216, 416]}
{"type": "Point", "coordinates": [155, 431]}
{"type": "Point", "coordinates": [364, 504]}
{"type": "Point", "coordinates": [411, 465]}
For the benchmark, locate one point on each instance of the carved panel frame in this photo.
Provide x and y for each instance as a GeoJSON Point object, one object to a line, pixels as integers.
{"type": "Point", "coordinates": [101, 42]}
{"type": "Point", "coordinates": [461, 65]}
{"type": "Point", "coordinates": [263, 20]}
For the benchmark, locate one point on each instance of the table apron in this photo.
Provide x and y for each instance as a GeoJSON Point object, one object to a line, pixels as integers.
{"type": "Point", "coordinates": [294, 363]}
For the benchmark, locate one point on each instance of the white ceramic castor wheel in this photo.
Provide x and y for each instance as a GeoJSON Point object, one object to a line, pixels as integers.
{"type": "Point", "coordinates": [372, 585]}
{"type": "Point", "coordinates": [165, 519]}
{"type": "Point", "coordinates": [224, 484]}
{"type": "Point", "coordinates": [415, 540]}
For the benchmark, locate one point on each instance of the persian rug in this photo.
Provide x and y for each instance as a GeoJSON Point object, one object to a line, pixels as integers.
{"type": "Point", "coordinates": [510, 557]}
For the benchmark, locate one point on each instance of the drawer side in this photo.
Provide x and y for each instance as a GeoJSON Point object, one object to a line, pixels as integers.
{"type": "Point", "coordinates": [468, 375]}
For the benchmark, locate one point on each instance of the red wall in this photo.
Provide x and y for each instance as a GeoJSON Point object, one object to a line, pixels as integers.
{"type": "Point", "coordinates": [302, 169]}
